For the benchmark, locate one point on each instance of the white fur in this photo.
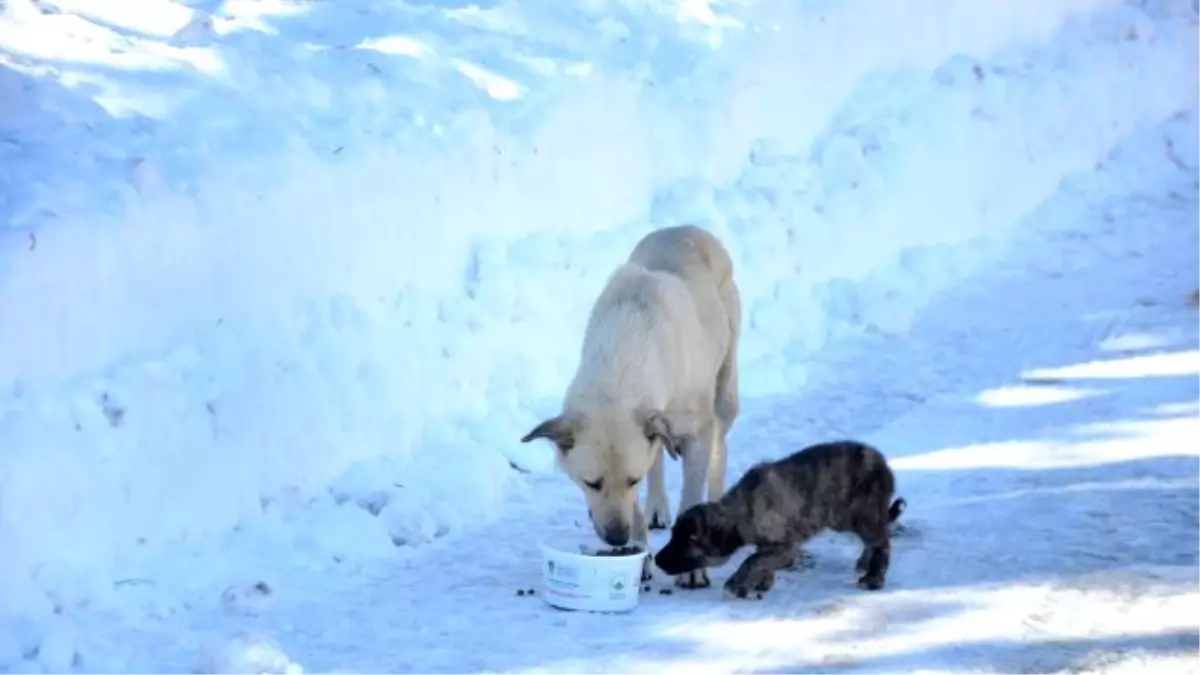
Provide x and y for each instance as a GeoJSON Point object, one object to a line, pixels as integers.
{"type": "Point", "coordinates": [661, 343]}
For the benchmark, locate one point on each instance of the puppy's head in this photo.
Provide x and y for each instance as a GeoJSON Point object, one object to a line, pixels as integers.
{"type": "Point", "coordinates": [607, 457]}
{"type": "Point", "coordinates": [703, 536]}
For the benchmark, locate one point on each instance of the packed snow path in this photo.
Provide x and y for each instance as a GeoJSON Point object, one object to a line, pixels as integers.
{"type": "Point", "coordinates": [1042, 419]}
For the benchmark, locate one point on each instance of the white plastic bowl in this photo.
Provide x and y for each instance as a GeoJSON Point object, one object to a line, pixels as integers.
{"type": "Point", "coordinates": [574, 580]}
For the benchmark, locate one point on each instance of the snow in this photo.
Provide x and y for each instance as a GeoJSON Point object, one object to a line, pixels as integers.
{"type": "Point", "coordinates": [284, 283]}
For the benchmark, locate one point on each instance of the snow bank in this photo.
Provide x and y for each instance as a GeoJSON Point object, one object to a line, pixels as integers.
{"type": "Point", "coordinates": [285, 257]}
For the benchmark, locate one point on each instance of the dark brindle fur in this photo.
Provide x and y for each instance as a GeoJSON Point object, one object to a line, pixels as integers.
{"type": "Point", "coordinates": [845, 486]}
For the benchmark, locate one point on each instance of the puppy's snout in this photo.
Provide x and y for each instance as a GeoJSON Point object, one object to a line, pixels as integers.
{"type": "Point", "coordinates": [615, 534]}
{"type": "Point", "coordinates": [676, 559]}
{"type": "Point", "coordinates": [669, 561]}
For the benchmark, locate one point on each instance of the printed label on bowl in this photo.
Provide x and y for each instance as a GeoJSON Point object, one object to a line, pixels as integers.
{"type": "Point", "coordinates": [562, 571]}
{"type": "Point", "coordinates": [618, 582]}
{"type": "Point", "coordinates": [618, 585]}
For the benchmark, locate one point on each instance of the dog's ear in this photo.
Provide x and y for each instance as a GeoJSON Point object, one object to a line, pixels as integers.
{"type": "Point", "coordinates": [656, 426]}
{"type": "Point", "coordinates": [560, 430]}
{"type": "Point", "coordinates": [721, 531]}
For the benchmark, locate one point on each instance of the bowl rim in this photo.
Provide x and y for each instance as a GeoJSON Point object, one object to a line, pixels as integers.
{"type": "Point", "coordinates": [548, 548]}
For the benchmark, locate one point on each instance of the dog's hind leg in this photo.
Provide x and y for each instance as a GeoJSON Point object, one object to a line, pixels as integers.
{"type": "Point", "coordinates": [726, 400]}
{"type": "Point", "coordinates": [658, 504]}
{"type": "Point", "coordinates": [876, 556]}
{"type": "Point", "coordinates": [864, 560]}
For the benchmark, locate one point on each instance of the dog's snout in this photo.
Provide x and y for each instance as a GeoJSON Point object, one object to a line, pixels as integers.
{"type": "Point", "coordinates": [615, 534]}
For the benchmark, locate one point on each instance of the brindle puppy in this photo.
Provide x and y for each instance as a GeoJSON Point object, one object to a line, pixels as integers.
{"type": "Point", "coordinates": [845, 486]}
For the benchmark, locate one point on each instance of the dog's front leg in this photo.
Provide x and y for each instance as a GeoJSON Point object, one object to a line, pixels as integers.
{"type": "Point", "coordinates": [658, 504]}
{"type": "Point", "coordinates": [697, 450]}
{"type": "Point", "coordinates": [641, 538]}
{"type": "Point", "coordinates": [757, 572]}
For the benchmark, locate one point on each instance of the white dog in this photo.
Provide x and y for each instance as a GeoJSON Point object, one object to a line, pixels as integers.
{"type": "Point", "coordinates": [658, 371]}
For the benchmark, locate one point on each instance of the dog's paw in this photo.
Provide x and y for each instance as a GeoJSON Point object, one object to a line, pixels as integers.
{"type": "Point", "coordinates": [648, 568]}
{"type": "Point", "coordinates": [742, 585]}
{"type": "Point", "coordinates": [660, 518]}
{"type": "Point", "coordinates": [694, 579]}
{"type": "Point", "coordinates": [742, 591]}
{"type": "Point", "coordinates": [871, 582]}
{"type": "Point", "coordinates": [863, 561]}
{"type": "Point", "coordinates": [739, 592]}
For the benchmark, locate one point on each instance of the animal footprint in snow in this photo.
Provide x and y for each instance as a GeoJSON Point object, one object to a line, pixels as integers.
{"type": "Point", "coordinates": [833, 608]}
{"type": "Point", "coordinates": [112, 412]}
{"type": "Point", "coordinates": [246, 598]}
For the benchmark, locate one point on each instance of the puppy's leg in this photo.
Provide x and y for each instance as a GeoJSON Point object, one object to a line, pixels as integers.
{"type": "Point", "coordinates": [658, 504]}
{"type": "Point", "coordinates": [876, 556]}
{"type": "Point", "coordinates": [757, 572]}
{"type": "Point", "coordinates": [864, 560]}
{"type": "Point", "coordinates": [697, 450]}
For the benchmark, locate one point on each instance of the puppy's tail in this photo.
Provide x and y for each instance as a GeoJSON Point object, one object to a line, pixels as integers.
{"type": "Point", "coordinates": [896, 509]}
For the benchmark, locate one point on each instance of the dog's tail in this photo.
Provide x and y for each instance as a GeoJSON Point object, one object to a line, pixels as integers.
{"type": "Point", "coordinates": [896, 509]}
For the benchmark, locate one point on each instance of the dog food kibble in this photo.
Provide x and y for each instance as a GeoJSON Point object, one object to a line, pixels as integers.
{"type": "Point", "coordinates": [521, 591]}
{"type": "Point", "coordinates": [530, 592]}
{"type": "Point", "coordinates": [758, 595]}
{"type": "Point", "coordinates": [620, 550]}
{"type": "Point", "coordinates": [646, 588]}
{"type": "Point", "coordinates": [664, 591]}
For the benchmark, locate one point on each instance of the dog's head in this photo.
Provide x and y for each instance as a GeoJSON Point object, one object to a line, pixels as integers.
{"type": "Point", "coordinates": [703, 536]}
{"type": "Point", "coordinates": [607, 457]}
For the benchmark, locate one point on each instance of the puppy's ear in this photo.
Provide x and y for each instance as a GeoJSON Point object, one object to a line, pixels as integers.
{"type": "Point", "coordinates": [560, 430]}
{"type": "Point", "coordinates": [656, 427]}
